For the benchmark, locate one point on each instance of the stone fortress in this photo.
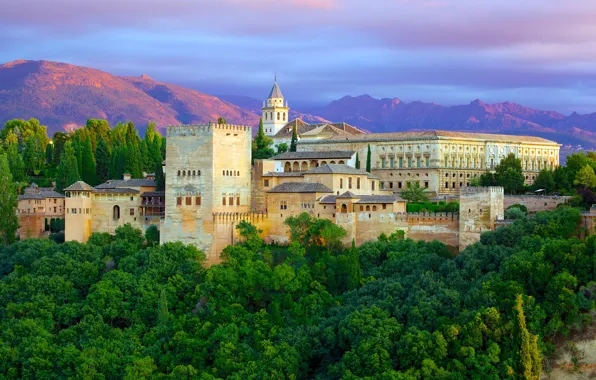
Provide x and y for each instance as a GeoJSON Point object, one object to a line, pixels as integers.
{"type": "Point", "coordinates": [211, 185]}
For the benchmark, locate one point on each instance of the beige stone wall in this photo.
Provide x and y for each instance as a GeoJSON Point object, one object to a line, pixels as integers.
{"type": "Point", "coordinates": [222, 155]}
{"type": "Point", "coordinates": [259, 194]}
{"type": "Point", "coordinates": [479, 208]}
{"type": "Point", "coordinates": [536, 203]}
{"type": "Point", "coordinates": [78, 226]}
{"type": "Point", "coordinates": [103, 213]}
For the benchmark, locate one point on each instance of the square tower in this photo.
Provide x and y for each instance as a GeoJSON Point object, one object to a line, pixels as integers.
{"type": "Point", "coordinates": [207, 170]}
{"type": "Point", "coordinates": [479, 208]}
{"type": "Point", "coordinates": [275, 111]}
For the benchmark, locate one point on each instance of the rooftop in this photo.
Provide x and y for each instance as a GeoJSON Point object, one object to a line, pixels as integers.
{"type": "Point", "coordinates": [379, 199]}
{"type": "Point", "coordinates": [283, 174]}
{"type": "Point", "coordinates": [114, 183]}
{"type": "Point", "coordinates": [119, 190]}
{"type": "Point", "coordinates": [275, 92]}
{"type": "Point", "coordinates": [348, 194]}
{"type": "Point", "coordinates": [79, 186]}
{"type": "Point", "coordinates": [347, 154]}
{"type": "Point", "coordinates": [337, 169]}
{"type": "Point", "coordinates": [301, 187]}
{"type": "Point", "coordinates": [302, 127]}
{"type": "Point", "coordinates": [154, 194]}
{"type": "Point", "coordinates": [437, 135]}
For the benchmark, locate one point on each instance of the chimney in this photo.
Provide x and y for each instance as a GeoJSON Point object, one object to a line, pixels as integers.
{"type": "Point", "coordinates": [126, 176]}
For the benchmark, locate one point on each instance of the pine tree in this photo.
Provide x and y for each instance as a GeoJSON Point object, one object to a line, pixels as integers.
{"type": "Point", "coordinates": [88, 174]}
{"type": "Point", "coordinates": [160, 180]}
{"type": "Point", "coordinates": [49, 154]}
{"type": "Point", "coordinates": [29, 157]}
{"type": "Point", "coordinates": [357, 161]}
{"type": "Point", "coordinates": [355, 272]}
{"type": "Point", "coordinates": [368, 159]}
{"type": "Point", "coordinates": [9, 221]}
{"type": "Point", "coordinates": [76, 144]}
{"type": "Point", "coordinates": [294, 142]}
{"type": "Point", "coordinates": [102, 160]}
{"type": "Point", "coordinates": [261, 144]}
{"type": "Point", "coordinates": [68, 170]}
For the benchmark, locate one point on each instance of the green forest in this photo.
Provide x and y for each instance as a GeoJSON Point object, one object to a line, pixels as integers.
{"type": "Point", "coordinates": [121, 307]}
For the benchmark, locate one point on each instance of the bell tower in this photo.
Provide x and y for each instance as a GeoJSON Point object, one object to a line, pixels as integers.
{"type": "Point", "coordinates": [275, 111]}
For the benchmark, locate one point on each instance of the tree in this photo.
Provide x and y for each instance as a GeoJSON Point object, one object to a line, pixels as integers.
{"type": "Point", "coordinates": [282, 148]}
{"type": "Point", "coordinates": [9, 221]}
{"type": "Point", "coordinates": [332, 236]}
{"type": "Point", "coordinates": [58, 141]}
{"type": "Point", "coordinates": [251, 235]}
{"type": "Point", "coordinates": [414, 193]}
{"type": "Point", "coordinates": [221, 120]}
{"type": "Point", "coordinates": [509, 174]}
{"type": "Point", "coordinates": [261, 144]}
{"type": "Point", "coordinates": [368, 159]}
{"type": "Point", "coordinates": [545, 180]}
{"type": "Point", "coordinates": [17, 166]}
{"type": "Point", "coordinates": [102, 160]}
{"type": "Point", "coordinates": [152, 236]}
{"type": "Point", "coordinates": [67, 171]}
{"type": "Point", "coordinates": [357, 161]}
{"type": "Point", "coordinates": [487, 179]}
{"type": "Point", "coordinates": [294, 142]}
{"type": "Point", "coordinates": [528, 358]}
{"type": "Point", "coordinates": [160, 179]}
{"type": "Point", "coordinates": [89, 168]}
{"type": "Point", "coordinates": [50, 154]}
{"type": "Point", "coordinates": [585, 177]}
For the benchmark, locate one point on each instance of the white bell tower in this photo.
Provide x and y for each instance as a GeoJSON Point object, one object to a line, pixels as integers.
{"type": "Point", "coordinates": [275, 111]}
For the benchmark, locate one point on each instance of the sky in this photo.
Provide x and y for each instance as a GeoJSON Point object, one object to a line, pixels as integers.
{"type": "Point", "coordinates": [539, 53]}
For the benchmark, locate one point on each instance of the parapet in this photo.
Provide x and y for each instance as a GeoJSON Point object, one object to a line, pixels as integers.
{"type": "Point", "coordinates": [203, 129]}
{"type": "Point", "coordinates": [471, 190]}
{"type": "Point", "coordinates": [222, 217]}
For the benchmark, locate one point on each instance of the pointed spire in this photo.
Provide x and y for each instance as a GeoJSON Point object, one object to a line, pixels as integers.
{"type": "Point", "coordinates": [275, 91]}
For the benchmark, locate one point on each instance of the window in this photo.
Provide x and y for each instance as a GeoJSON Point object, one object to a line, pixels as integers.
{"type": "Point", "coordinates": [178, 201]}
{"type": "Point", "coordinates": [382, 185]}
{"type": "Point", "coordinates": [178, 173]}
{"type": "Point", "coordinates": [278, 116]}
{"type": "Point", "coordinates": [361, 208]}
{"type": "Point", "coordinates": [283, 205]}
{"type": "Point", "coordinates": [373, 185]}
{"type": "Point", "coordinates": [231, 201]}
{"type": "Point", "coordinates": [266, 183]}
{"type": "Point", "coordinates": [116, 212]}
{"type": "Point", "coordinates": [358, 183]}
{"type": "Point", "coordinates": [399, 184]}
{"type": "Point", "coordinates": [237, 201]}
{"type": "Point", "coordinates": [446, 185]}
{"type": "Point", "coordinates": [374, 208]}
{"type": "Point", "coordinates": [426, 184]}
{"type": "Point", "coordinates": [132, 212]}
{"type": "Point", "coordinates": [74, 210]}
{"type": "Point", "coordinates": [384, 206]}
{"type": "Point", "coordinates": [194, 173]}
{"type": "Point", "coordinates": [349, 182]}
{"type": "Point", "coordinates": [341, 183]}
{"type": "Point", "coordinates": [188, 201]}
{"type": "Point", "coordinates": [223, 200]}
{"type": "Point", "coordinates": [183, 173]}
{"type": "Point", "coordinates": [198, 201]}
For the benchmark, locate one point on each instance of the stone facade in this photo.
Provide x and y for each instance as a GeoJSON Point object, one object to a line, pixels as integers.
{"type": "Point", "coordinates": [536, 203]}
{"type": "Point", "coordinates": [208, 171]}
{"type": "Point", "coordinates": [480, 208]}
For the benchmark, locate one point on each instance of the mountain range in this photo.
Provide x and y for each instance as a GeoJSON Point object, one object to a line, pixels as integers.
{"type": "Point", "coordinates": [63, 96]}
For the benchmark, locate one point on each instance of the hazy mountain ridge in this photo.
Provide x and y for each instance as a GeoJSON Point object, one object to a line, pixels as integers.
{"type": "Point", "coordinates": [63, 96]}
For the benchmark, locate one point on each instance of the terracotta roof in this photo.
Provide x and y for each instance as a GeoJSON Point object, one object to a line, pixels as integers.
{"type": "Point", "coordinates": [114, 183]}
{"type": "Point", "coordinates": [118, 190]}
{"type": "Point", "coordinates": [348, 195]}
{"type": "Point", "coordinates": [437, 135]}
{"type": "Point", "coordinates": [301, 187]}
{"type": "Point", "coordinates": [336, 169]}
{"type": "Point", "coordinates": [283, 174]}
{"type": "Point", "coordinates": [302, 127]}
{"type": "Point", "coordinates": [314, 155]}
{"type": "Point", "coordinates": [154, 194]}
{"type": "Point", "coordinates": [379, 199]}
{"type": "Point", "coordinates": [79, 186]}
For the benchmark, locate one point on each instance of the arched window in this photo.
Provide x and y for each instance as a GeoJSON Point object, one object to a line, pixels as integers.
{"type": "Point", "coordinates": [183, 173]}
{"type": "Point", "coordinates": [332, 163]}
{"type": "Point", "coordinates": [374, 208]}
{"type": "Point", "coordinates": [278, 116]}
{"type": "Point", "coordinates": [344, 208]}
{"type": "Point", "coordinates": [367, 208]}
{"type": "Point", "coordinates": [287, 167]}
{"type": "Point", "coordinates": [341, 162]}
{"type": "Point", "coordinates": [194, 173]}
{"type": "Point", "coordinates": [178, 173]}
{"type": "Point", "coordinates": [223, 172]}
{"type": "Point", "coordinates": [198, 172]}
{"type": "Point", "coordinates": [116, 212]}
{"type": "Point", "coordinates": [284, 116]}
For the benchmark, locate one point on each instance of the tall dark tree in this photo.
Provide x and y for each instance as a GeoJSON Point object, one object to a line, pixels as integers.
{"type": "Point", "coordinates": [30, 157]}
{"type": "Point", "coordinates": [102, 160]}
{"type": "Point", "coordinates": [160, 180]}
{"type": "Point", "coordinates": [261, 144]}
{"type": "Point", "coordinates": [357, 161]}
{"type": "Point", "coordinates": [58, 141]}
{"type": "Point", "coordinates": [68, 170]}
{"type": "Point", "coordinates": [9, 221]}
{"type": "Point", "coordinates": [50, 154]}
{"type": "Point", "coordinates": [368, 159]}
{"type": "Point", "coordinates": [294, 142]}
{"type": "Point", "coordinates": [117, 163]}
{"type": "Point", "coordinates": [15, 161]}
{"type": "Point", "coordinates": [89, 174]}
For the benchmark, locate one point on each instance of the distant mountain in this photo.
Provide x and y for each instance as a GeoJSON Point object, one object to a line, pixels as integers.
{"type": "Point", "coordinates": [63, 96]}
{"type": "Point", "coordinates": [389, 115]}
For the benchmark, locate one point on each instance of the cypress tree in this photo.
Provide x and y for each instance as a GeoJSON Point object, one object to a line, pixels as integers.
{"type": "Point", "coordinates": [15, 161]}
{"type": "Point", "coordinates": [49, 154]}
{"type": "Point", "coordinates": [357, 161]}
{"type": "Point", "coordinates": [160, 180]}
{"type": "Point", "coordinates": [261, 144]}
{"type": "Point", "coordinates": [368, 158]}
{"type": "Point", "coordinates": [528, 359]}
{"type": "Point", "coordinates": [294, 141]}
{"type": "Point", "coordinates": [89, 165]}
{"type": "Point", "coordinates": [68, 172]}
{"type": "Point", "coordinates": [9, 221]}
{"type": "Point", "coordinates": [163, 314]}
{"type": "Point", "coordinates": [102, 160]}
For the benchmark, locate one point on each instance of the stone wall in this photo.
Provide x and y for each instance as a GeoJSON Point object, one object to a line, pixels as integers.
{"type": "Point", "coordinates": [31, 225]}
{"type": "Point", "coordinates": [479, 209]}
{"type": "Point", "coordinates": [536, 203]}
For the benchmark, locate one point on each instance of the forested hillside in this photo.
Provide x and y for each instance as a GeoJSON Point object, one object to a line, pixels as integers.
{"type": "Point", "coordinates": [119, 307]}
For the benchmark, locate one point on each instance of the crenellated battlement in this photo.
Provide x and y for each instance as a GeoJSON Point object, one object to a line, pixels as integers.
{"type": "Point", "coordinates": [481, 190]}
{"type": "Point", "coordinates": [203, 129]}
{"type": "Point", "coordinates": [228, 217]}
{"type": "Point", "coordinates": [410, 217]}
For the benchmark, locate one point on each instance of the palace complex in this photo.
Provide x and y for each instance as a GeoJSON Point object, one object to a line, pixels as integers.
{"type": "Point", "coordinates": [211, 184]}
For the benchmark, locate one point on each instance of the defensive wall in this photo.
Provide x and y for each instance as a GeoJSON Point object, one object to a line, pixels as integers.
{"type": "Point", "coordinates": [536, 203]}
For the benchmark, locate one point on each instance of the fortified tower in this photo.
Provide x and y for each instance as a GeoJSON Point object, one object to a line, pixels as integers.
{"type": "Point", "coordinates": [207, 170]}
{"type": "Point", "coordinates": [275, 112]}
{"type": "Point", "coordinates": [479, 207]}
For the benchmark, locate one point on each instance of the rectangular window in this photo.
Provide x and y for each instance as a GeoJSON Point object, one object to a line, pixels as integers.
{"type": "Point", "coordinates": [178, 201]}
{"type": "Point", "coordinates": [74, 211]}
{"type": "Point", "coordinates": [391, 185]}
{"type": "Point", "coordinates": [383, 163]}
{"type": "Point", "coordinates": [446, 185]}
{"type": "Point", "coordinates": [231, 201]}
{"type": "Point", "coordinates": [384, 206]}
{"type": "Point", "coordinates": [426, 184]}
{"type": "Point", "coordinates": [223, 200]}
{"type": "Point", "coordinates": [283, 205]}
{"type": "Point", "coordinates": [418, 162]}
{"type": "Point", "coordinates": [132, 212]}
{"type": "Point", "coordinates": [341, 183]}
{"type": "Point", "coordinates": [197, 201]}
{"type": "Point", "coordinates": [358, 183]}
{"type": "Point", "coordinates": [382, 185]}
{"type": "Point", "coordinates": [349, 182]}
{"type": "Point", "coordinates": [427, 162]}
{"type": "Point", "coordinates": [237, 201]}
{"type": "Point", "coordinates": [266, 183]}
{"type": "Point", "coordinates": [373, 185]}
{"type": "Point", "coordinates": [401, 162]}
{"type": "Point", "coordinates": [188, 201]}
{"type": "Point", "coordinates": [391, 163]}
{"type": "Point", "coordinates": [399, 185]}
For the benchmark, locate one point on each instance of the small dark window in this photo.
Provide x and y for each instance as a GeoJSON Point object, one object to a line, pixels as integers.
{"type": "Point", "coordinates": [237, 201]}
{"type": "Point", "coordinates": [188, 201]}
{"type": "Point", "coordinates": [198, 201]}
{"type": "Point", "coordinates": [223, 201]}
{"type": "Point", "coordinates": [178, 173]}
{"type": "Point", "coordinates": [132, 212]}
{"type": "Point", "coordinates": [178, 201]}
